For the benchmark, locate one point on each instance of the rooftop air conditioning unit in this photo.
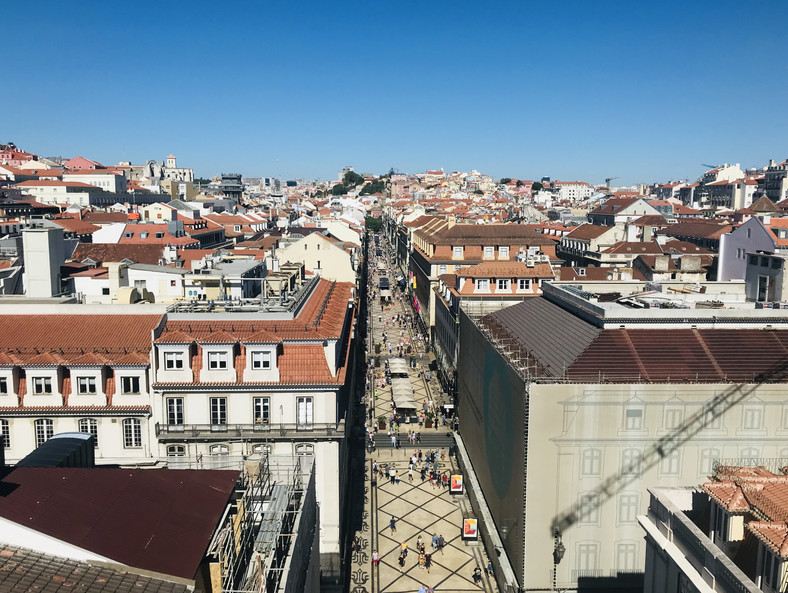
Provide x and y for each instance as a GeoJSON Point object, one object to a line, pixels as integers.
{"type": "Point", "coordinates": [529, 262]}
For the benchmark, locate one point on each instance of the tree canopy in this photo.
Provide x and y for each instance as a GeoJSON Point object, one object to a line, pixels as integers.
{"type": "Point", "coordinates": [373, 187]}
{"type": "Point", "coordinates": [536, 186]}
{"type": "Point", "coordinates": [352, 179]}
{"type": "Point", "coordinates": [373, 224]}
{"type": "Point", "coordinates": [505, 180]}
{"type": "Point", "coordinates": [339, 189]}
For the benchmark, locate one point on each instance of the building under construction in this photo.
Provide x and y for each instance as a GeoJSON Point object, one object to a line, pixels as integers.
{"type": "Point", "coordinates": [268, 539]}
{"type": "Point", "coordinates": [574, 403]}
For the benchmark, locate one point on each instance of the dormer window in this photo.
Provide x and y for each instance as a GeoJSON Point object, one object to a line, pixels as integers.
{"type": "Point", "coordinates": [86, 385]}
{"type": "Point", "coordinates": [482, 284]}
{"type": "Point", "coordinates": [128, 235]}
{"type": "Point", "coordinates": [503, 252]}
{"type": "Point", "coordinates": [503, 284]}
{"type": "Point", "coordinates": [489, 252]}
{"type": "Point", "coordinates": [144, 235]}
{"type": "Point", "coordinates": [457, 253]}
{"type": "Point", "coordinates": [261, 360]}
{"type": "Point", "coordinates": [217, 360]}
{"type": "Point", "coordinates": [173, 360]}
{"type": "Point", "coordinates": [42, 385]}
{"type": "Point", "coordinates": [159, 235]}
{"type": "Point", "coordinates": [581, 271]}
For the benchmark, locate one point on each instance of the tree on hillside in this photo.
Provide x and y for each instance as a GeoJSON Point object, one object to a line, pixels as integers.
{"type": "Point", "coordinates": [338, 190]}
{"type": "Point", "coordinates": [506, 180]}
{"type": "Point", "coordinates": [352, 179]}
{"type": "Point", "coordinates": [537, 186]}
{"type": "Point", "coordinates": [373, 187]}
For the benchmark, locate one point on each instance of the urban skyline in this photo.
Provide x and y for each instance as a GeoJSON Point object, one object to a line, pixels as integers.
{"type": "Point", "coordinates": [571, 92]}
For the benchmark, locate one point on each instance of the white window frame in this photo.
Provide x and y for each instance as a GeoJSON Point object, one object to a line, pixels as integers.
{"type": "Point", "coordinates": [174, 411]}
{"type": "Point", "coordinates": [524, 285]}
{"type": "Point", "coordinates": [44, 429]}
{"type": "Point", "coordinates": [218, 360]}
{"type": "Point", "coordinates": [86, 385]}
{"type": "Point", "coordinates": [3, 385]}
{"type": "Point", "coordinates": [5, 433]}
{"type": "Point", "coordinates": [176, 450]}
{"type": "Point", "coordinates": [261, 360]}
{"type": "Point", "coordinates": [482, 285]}
{"type": "Point", "coordinates": [219, 450]}
{"type": "Point", "coordinates": [456, 252]}
{"type": "Point", "coordinates": [504, 284]}
{"type": "Point", "coordinates": [42, 385]}
{"type": "Point", "coordinates": [261, 410]}
{"type": "Point", "coordinates": [173, 360]}
{"type": "Point", "coordinates": [89, 426]}
{"type": "Point", "coordinates": [489, 252]}
{"type": "Point", "coordinates": [443, 269]}
{"type": "Point", "coordinates": [503, 252]}
{"type": "Point", "coordinates": [218, 411]}
{"type": "Point", "coordinates": [132, 433]}
{"type": "Point", "coordinates": [128, 383]}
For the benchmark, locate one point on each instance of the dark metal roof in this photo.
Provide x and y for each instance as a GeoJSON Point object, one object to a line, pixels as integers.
{"type": "Point", "coordinates": [563, 344]}
{"type": "Point", "coordinates": [23, 570]}
{"type": "Point", "coordinates": [157, 520]}
{"type": "Point", "coordinates": [554, 336]}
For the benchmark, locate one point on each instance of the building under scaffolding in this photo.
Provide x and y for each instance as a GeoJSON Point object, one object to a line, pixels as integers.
{"type": "Point", "coordinates": [268, 539]}
{"type": "Point", "coordinates": [572, 404]}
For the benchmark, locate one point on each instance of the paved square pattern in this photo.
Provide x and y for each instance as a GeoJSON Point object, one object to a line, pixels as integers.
{"type": "Point", "coordinates": [419, 508]}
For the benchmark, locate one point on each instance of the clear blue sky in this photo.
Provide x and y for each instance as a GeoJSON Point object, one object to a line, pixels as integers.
{"type": "Point", "coordinates": [643, 91]}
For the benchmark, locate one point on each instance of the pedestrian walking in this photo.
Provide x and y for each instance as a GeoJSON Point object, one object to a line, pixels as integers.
{"type": "Point", "coordinates": [427, 561]}
{"type": "Point", "coordinates": [410, 475]}
{"type": "Point", "coordinates": [489, 569]}
{"type": "Point", "coordinates": [375, 559]}
{"type": "Point", "coordinates": [404, 549]}
{"type": "Point", "coordinates": [393, 525]}
{"type": "Point", "coordinates": [396, 477]}
{"type": "Point", "coordinates": [477, 576]}
{"type": "Point", "coordinates": [401, 562]}
{"type": "Point", "coordinates": [434, 541]}
{"type": "Point", "coordinates": [392, 472]}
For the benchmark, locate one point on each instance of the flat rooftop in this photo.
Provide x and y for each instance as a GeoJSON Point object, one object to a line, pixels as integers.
{"type": "Point", "coordinates": [634, 304]}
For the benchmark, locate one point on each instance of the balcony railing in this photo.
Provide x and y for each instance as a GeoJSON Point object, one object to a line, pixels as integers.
{"type": "Point", "coordinates": [262, 431]}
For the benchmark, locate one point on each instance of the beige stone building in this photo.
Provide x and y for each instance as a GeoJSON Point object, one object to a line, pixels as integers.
{"type": "Point", "coordinates": [574, 403]}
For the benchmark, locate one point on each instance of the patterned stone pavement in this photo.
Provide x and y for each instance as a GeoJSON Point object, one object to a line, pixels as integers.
{"type": "Point", "coordinates": [419, 508]}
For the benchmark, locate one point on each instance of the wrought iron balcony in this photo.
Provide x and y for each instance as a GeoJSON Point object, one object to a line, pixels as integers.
{"type": "Point", "coordinates": [258, 431]}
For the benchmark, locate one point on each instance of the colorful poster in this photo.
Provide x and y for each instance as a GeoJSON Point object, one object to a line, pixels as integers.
{"type": "Point", "coordinates": [455, 484]}
{"type": "Point", "coordinates": [470, 529]}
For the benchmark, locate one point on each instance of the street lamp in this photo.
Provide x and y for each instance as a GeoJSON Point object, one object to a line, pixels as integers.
{"type": "Point", "coordinates": [558, 553]}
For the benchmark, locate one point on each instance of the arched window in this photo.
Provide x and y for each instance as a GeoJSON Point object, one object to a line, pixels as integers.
{"type": "Point", "coordinates": [44, 430]}
{"type": "Point", "coordinates": [89, 426]}
{"type": "Point", "coordinates": [220, 449]}
{"type": "Point", "coordinates": [176, 451]}
{"type": "Point", "coordinates": [261, 448]}
{"type": "Point", "coordinates": [304, 449]}
{"type": "Point", "coordinates": [132, 433]}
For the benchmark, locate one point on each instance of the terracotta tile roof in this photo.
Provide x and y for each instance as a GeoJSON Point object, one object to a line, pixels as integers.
{"type": "Point", "coordinates": [728, 495]}
{"type": "Point", "coordinates": [483, 234]}
{"type": "Point", "coordinates": [105, 217]}
{"type": "Point", "coordinates": [764, 204]}
{"type": "Point", "coordinates": [155, 520]}
{"type": "Point", "coordinates": [218, 337]}
{"type": "Point", "coordinates": [114, 252]}
{"type": "Point", "coordinates": [697, 229]}
{"type": "Point", "coordinates": [76, 332]}
{"type": "Point", "coordinates": [593, 273]}
{"type": "Point", "coordinates": [66, 410]}
{"type": "Point", "coordinates": [262, 337]}
{"type": "Point", "coordinates": [588, 231]}
{"type": "Point", "coordinates": [773, 534]}
{"type": "Point", "coordinates": [74, 225]}
{"type": "Point", "coordinates": [174, 336]}
{"type": "Point", "coordinates": [23, 570]}
{"type": "Point", "coordinates": [634, 247]}
{"type": "Point", "coordinates": [51, 183]}
{"type": "Point", "coordinates": [507, 269]}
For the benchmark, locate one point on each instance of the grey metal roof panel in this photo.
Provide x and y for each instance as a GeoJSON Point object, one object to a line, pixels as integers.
{"type": "Point", "coordinates": [554, 336]}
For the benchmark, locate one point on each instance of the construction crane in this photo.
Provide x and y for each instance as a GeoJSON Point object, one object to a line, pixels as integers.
{"type": "Point", "coordinates": [665, 446]}
{"type": "Point", "coordinates": [608, 180]}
